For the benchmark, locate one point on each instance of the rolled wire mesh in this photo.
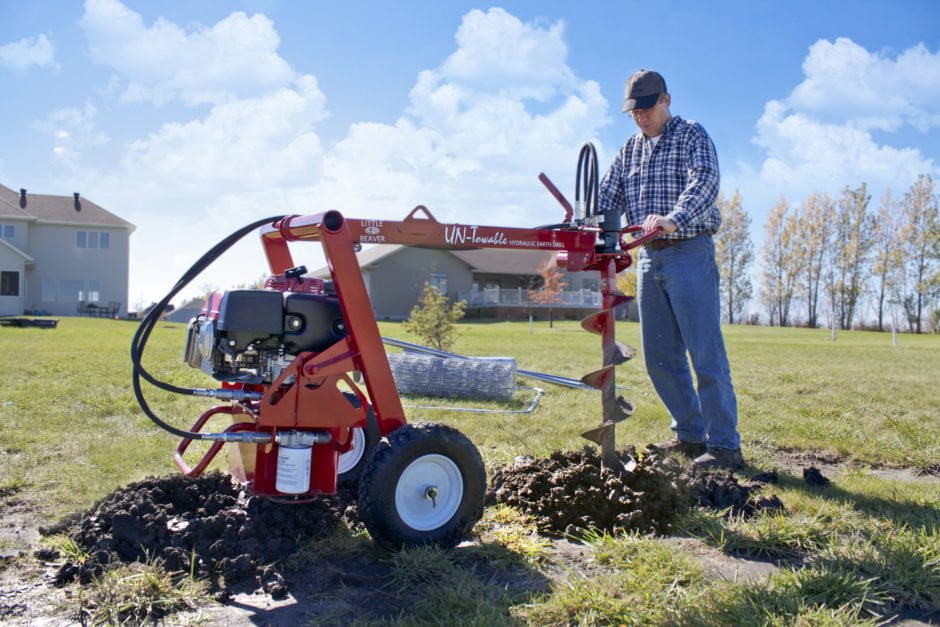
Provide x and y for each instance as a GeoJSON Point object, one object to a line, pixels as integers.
{"type": "Point", "coordinates": [492, 379]}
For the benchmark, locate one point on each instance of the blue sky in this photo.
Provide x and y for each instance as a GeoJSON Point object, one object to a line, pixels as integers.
{"type": "Point", "coordinates": [190, 119]}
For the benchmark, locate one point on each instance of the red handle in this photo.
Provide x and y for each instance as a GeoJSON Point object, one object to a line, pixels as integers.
{"type": "Point", "coordinates": [216, 446]}
{"type": "Point", "coordinates": [554, 191]}
{"type": "Point", "coordinates": [636, 228]}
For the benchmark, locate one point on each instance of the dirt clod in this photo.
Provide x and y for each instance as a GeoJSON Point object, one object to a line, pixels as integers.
{"type": "Point", "coordinates": [205, 526]}
{"type": "Point", "coordinates": [723, 491]}
{"type": "Point", "coordinates": [272, 582]}
{"type": "Point", "coordinates": [46, 554]}
{"type": "Point", "coordinates": [813, 476]}
{"type": "Point", "coordinates": [768, 476]}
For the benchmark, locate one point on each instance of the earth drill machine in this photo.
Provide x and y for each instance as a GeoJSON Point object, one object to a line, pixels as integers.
{"type": "Point", "coordinates": [293, 359]}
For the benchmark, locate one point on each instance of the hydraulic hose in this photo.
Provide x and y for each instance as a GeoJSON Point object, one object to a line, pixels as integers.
{"type": "Point", "coordinates": [586, 182]}
{"type": "Point", "coordinates": [153, 316]}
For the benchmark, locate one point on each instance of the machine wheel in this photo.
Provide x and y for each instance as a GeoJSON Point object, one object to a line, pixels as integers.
{"type": "Point", "coordinates": [424, 484]}
{"type": "Point", "coordinates": [353, 462]}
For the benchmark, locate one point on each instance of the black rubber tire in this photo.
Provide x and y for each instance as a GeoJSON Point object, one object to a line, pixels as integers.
{"type": "Point", "coordinates": [350, 478]}
{"type": "Point", "coordinates": [377, 507]}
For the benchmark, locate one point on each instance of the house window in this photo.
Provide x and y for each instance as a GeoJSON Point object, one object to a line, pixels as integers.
{"type": "Point", "coordinates": [590, 284]}
{"type": "Point", "coordinates": [94, 291]}
{"type": "Point", "coordinates": [439, 281]}
{"type": "Point", "coordinates": [9, 283]}
{"type": "Point", "coordinates": [92, 239]}
{"type": "Point", "coordinates": [8, 231]}
{"type": "Point", "coordinates": [71, 291]}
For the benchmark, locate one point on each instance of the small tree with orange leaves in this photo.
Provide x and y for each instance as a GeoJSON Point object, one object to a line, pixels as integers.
{"type": "Point", "coordinates": [553, 283]}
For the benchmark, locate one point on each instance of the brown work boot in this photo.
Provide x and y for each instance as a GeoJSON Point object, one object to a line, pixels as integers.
{"type": "Point", "coordinates": [688, 449]}
{"type": "Point", "coordinates": [717, 457]}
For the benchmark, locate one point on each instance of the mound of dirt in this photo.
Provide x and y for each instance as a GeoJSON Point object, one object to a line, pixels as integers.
{"type": "Point", "coordinates": [205, 524]}
{"type": "Point", "coordinates": [570, 492]}
{"type": "Point", "coordinates": [723, 491]}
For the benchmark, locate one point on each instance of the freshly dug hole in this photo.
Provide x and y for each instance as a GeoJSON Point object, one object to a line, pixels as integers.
{"type": "Point", "coordinates": [571, 493]}
{"type": "Point", "coordinates": [204, 525]}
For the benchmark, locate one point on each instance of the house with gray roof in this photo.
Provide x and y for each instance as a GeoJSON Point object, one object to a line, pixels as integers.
{"type": "Point", "coordinates": [62, 255]}
{"type": "Point", "coordinates": [495, 283]}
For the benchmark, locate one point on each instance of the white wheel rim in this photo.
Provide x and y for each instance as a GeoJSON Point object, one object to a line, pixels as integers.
{"type": "Point", "coordinates": [428, 492]}
{"type": "Point", "coordinates": [349, 459]}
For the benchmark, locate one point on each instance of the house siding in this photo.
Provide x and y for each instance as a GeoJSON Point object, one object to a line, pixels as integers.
{"type": "Point", "coordinates": [58, 259]}
{"type": "Point", "coordinates": [12, 262]}
{"type": "Point", "coordinates": [395, 284]}
{"type": "Point", "coordinates": [21, 226]}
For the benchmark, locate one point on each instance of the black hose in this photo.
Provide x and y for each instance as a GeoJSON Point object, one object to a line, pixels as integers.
{"type": "Point", "coordinates": [587, 169]}
{"type": "Point", "coordinates": [153, 316]}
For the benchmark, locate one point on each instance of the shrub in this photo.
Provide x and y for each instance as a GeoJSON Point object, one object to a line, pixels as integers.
{"type": "Point", "coordinates": [433, 320]}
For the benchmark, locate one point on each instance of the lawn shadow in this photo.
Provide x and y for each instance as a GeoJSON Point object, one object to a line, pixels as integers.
{"type": "Point", "coordinates": [918, 516]}
{"type": "Point", "coordinates": [474, 583]}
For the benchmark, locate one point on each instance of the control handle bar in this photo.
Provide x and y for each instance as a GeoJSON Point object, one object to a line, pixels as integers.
{"type": "Point", "coordinates": [640, 241]}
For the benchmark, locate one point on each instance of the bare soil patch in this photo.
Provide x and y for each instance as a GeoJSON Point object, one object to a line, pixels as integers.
{"type": "Point", "coordinates": [830, 464]}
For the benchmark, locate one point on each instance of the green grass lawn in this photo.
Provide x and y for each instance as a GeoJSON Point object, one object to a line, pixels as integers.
{"type": "Point", "coordinates": [857, 397]}
{"type": "Point", "coordinates": [71, 431]}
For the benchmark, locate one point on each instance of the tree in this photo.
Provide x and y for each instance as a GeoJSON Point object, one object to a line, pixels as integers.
{"type": "Point", "coordinates": [921, 237]}
{"type": "Point", "coordinates": [734, 252]}
{"type": "Point", "coordinates": [815, 228]}
{"type": "Point", "coordinates": [553, 283]}
{"type": "Point", "coordinates": [886, 251]}
{"type": "Point", "coordinates": [852, 241]}
{"type": "Point", "coordinates": [626, 280]}
{"type": "Point", "coordinates": [433, 321]}
{"type": "Point", "coordinates": [780, 263]}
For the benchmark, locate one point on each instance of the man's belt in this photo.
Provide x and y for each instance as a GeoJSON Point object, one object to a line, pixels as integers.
{"type": "Point", "coordinates": [661, 243]}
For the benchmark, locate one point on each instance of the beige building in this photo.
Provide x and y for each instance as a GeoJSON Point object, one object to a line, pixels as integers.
{"type": "Point", "coordinates": [495, 283]}
{"type": "Point", "coordinates": [61, 255]}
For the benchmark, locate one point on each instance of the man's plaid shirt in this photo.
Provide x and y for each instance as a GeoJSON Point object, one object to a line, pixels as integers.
{"type": "Point", "coordinates": [678, 178]}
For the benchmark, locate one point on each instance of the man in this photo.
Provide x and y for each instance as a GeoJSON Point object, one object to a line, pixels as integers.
{"type": "Point", "coordinates": [666, 177]}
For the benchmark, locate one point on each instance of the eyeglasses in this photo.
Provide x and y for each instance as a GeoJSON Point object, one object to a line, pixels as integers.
{"type": "Point", "coordinates": [641, 112]}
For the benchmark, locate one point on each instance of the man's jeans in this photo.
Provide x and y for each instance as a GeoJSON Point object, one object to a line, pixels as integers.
{"type": "Point", "coordinates": [680, 311]}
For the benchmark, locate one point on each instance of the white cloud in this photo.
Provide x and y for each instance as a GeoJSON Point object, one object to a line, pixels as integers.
{"type": "Point", "coordinates": [870, 90]}
{"type": "Point", "coordinates": [469, 145]}
{"type": "Point", "coordinates": [74, 130]}
{"type": "Point", "coordinates": [477, 131]}
{"type": "Point", "coordinates": [27, 52]}
{"type": "Point", "coordinates": [235, 57]}
{"type": "Point", "coordinates": [498, 53]}
{"type": "Point", "coordinates": [804, 153]}
{"type": "Point", "coordinates": [820, 136]}
{"type": "Point", "coordinates": [245, 144]}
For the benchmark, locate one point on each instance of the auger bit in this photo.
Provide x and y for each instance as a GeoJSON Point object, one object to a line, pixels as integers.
{"type": "Point", "coordinates": [614, 408]}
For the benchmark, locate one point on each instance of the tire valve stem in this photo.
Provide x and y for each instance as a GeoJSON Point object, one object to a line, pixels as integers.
{"type": "Point", "coordinates": [431, 493]}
